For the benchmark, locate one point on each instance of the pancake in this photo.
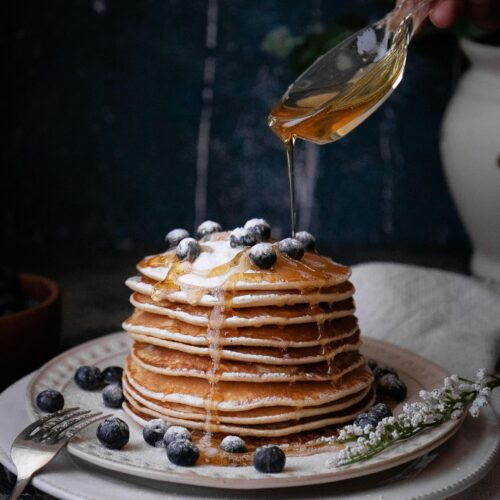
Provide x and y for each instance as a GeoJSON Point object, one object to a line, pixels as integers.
{"type": "Point", "coordinates": [238, 396]}
{"type": "Point", "coordinates": [250, 316]}
{"type": "Point", "coordinates": [270, 355]}
{"type": "Point", "coordinates": [134, 410]}
{"type": "Point", "coordinates": [224, 346]}
{"type": "Point", "coordinates": [301, 335]}
{"type": "Point", "coordinates": [256, 416]}
{"type": "Point", "coordinates": [249, 298]}
{"type": "Point", "coordinates": [221, 266]}
{"type": "Point", "coordinates": [174, 363]}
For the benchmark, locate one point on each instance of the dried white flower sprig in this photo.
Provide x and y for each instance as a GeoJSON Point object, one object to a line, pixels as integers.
{"type": "Point", "coordinates": [436, 407]}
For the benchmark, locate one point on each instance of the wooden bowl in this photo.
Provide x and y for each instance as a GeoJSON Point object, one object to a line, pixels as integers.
{"type": "Point", "coordinates": [30, 337]}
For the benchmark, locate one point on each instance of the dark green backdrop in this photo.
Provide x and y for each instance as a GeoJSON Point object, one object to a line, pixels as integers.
{"type": "Point", "coordinates": [105, 110]}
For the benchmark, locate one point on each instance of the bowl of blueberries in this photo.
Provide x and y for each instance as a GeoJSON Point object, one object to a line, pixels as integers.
{"type": "Point", "coordinates": [30, 323]}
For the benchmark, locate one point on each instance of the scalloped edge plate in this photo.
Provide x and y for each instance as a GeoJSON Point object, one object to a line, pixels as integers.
{"type": "Point", "coordinates": [138, 459]}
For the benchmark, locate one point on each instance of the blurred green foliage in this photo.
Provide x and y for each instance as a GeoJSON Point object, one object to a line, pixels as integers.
{"type": "Point", "coordinates": [305, 48]}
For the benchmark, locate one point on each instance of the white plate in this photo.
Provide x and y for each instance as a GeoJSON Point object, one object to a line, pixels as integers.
{"type": "Point", "coordinates": [139, 459]}
{"type": "Point", "coordinates": [453, 467]}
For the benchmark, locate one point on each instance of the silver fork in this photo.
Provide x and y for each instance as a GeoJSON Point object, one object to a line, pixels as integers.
{"type": "Point", "coordinates": [41, 441]}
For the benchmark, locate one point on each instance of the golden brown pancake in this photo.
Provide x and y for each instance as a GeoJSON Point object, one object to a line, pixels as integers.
{"type": "Point", "coordinates": [300, 335]}
{"type": "Point", "coordinates": [174, 363]}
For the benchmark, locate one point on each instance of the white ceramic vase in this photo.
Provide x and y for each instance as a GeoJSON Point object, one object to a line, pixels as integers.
{"type": "Point", "coordinates": [470, 149]}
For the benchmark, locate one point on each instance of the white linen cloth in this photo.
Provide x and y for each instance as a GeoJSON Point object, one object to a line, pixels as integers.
{"type": "Point", "coordinates": [451, 319]}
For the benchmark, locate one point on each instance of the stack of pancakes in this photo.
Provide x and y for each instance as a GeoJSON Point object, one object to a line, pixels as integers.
{"type": "Point", "coordinates": [223, 346]}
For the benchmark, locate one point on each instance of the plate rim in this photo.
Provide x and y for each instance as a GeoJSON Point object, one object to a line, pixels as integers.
{"type": "Point", "coordinates": [57, 487]}
{"type": "Point", "coordinates": [182, 475]}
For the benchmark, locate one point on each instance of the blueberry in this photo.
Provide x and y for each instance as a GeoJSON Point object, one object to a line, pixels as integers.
{"type": "Point", "coordinates": [112, 395]}
{"type": "Point", "coordinates": [292, 248]}
{"type": "Point", "coordinates": [154, 430]}
{"type": "Point", "coordinates": [392, 386]}
{"type": "Point", "coordinates": [269, 459]}
{"type": "Point", "coordinates": [233, 444]}
{"type": "Point", "coordinates": [50, 401]}
{"type": "Point", "coordinates": [88, 377]}
{"type": "Point", "coordinates": [307, 240]}
{"type": "Point", "coordinates": [208, 227]}
{"type": "Point", "coordinates": [241, 237]}
{"type": "Point", "coordinates": [381, 411]}
{"type": "Point", "coordinates": [372, 364]}
{"type": "Point", "coordinates": [380, 371]}
{"type": "Point", "coordinates": [174, 433]}
{"type": "Point", "coordinates": [260, 228]}
{"type": "Point", "coordinates": [183, 452]}
{"type": "Point", "coordinates": [188, 249]}
{"type": "Point", "coordinates": [174, 237]}
{"type": "Point", "coordinates": [112, 375]}
{"type": "Point", "coordinates": [364, 419]}
{"type": "Point", "coordinates": [113, 433]}
{"type": "Point", "coordinates": [263, 255]}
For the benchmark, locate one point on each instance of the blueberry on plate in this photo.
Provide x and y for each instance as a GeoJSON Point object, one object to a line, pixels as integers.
{"type": "Point", "coordinates": [307, 240]}
{"type": "Point", "coordinates": [367, 418]}
{"type": "Point", "coordinates": [154, 431]}
{"type": "Point", "coordinates": [269, 458]}
{"type": "Point", "coordinates": [183, 452]}
{"type": "Point", "coordinates": [112, 395]}
{"type": "Point", "coordinates": [174, 433]}
{"type": "Point", "coordinates": [88, 377]}
{"type": "Point", "coordinates": [259, 227]}
{"type": "Point", "coordinates": [292, 248]}
{"type": "Point", "coordinates": [392, 386]}
{"type": "Point", "coordinates": [263, 255]}
{"type": "Point", "coordinates": [50, 401]}
{"type": "Point", "coordinates": [113, 433]}
{"type": "Point", "coordinates": [174, 237]}
{"type": "Point", "coordinates": [372, 364]}
{"type": "Point", "coordinates": [241, 237]}
{"type": "Point", "coordinates": [380, 371]}
{"type": "Point", "coordinates": [233, 444]}
{"type": "Point", "coordinates": [112, 375]}
{"type": "Point", "coordinates": [208, 227]}
{"type": "Point", "coordinates": [381, 411]}
{"type": "Point", "coordinates": [188, 249]}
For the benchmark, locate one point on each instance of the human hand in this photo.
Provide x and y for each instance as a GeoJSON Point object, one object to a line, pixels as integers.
{"type": "Point", "coordinates": [483, 13]}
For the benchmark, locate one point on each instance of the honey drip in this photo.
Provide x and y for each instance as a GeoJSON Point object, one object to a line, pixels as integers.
{"type": "Point", "coordinates": [290, 150]}
{"type": "Point", "coordinates": [213, 336]}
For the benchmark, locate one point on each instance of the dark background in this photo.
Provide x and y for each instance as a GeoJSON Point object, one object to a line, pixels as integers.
{"type": "Point", "coordinates": [119, 132]}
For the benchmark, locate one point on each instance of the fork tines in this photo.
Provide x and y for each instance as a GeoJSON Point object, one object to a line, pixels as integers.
{"type": "Point", "coordinates": [63, 424]}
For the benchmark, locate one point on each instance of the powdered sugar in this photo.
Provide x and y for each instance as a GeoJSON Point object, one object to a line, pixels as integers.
{"type": "Point", "coordinates": [233, 444]}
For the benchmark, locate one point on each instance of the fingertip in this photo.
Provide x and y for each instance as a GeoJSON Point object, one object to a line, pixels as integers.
{"type": "Point", "coordinates": [445, 13]}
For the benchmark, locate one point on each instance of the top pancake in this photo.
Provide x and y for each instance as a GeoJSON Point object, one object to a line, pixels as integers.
{"type": "Point", "coordinates": [219, 266]}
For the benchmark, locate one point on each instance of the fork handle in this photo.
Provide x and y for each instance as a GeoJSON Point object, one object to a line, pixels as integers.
{"type": "Point", "coordinates": [19, 487]}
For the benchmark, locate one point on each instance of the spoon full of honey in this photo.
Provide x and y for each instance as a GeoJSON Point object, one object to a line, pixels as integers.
{"type": "Point", "coordinates": [350, 81]}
